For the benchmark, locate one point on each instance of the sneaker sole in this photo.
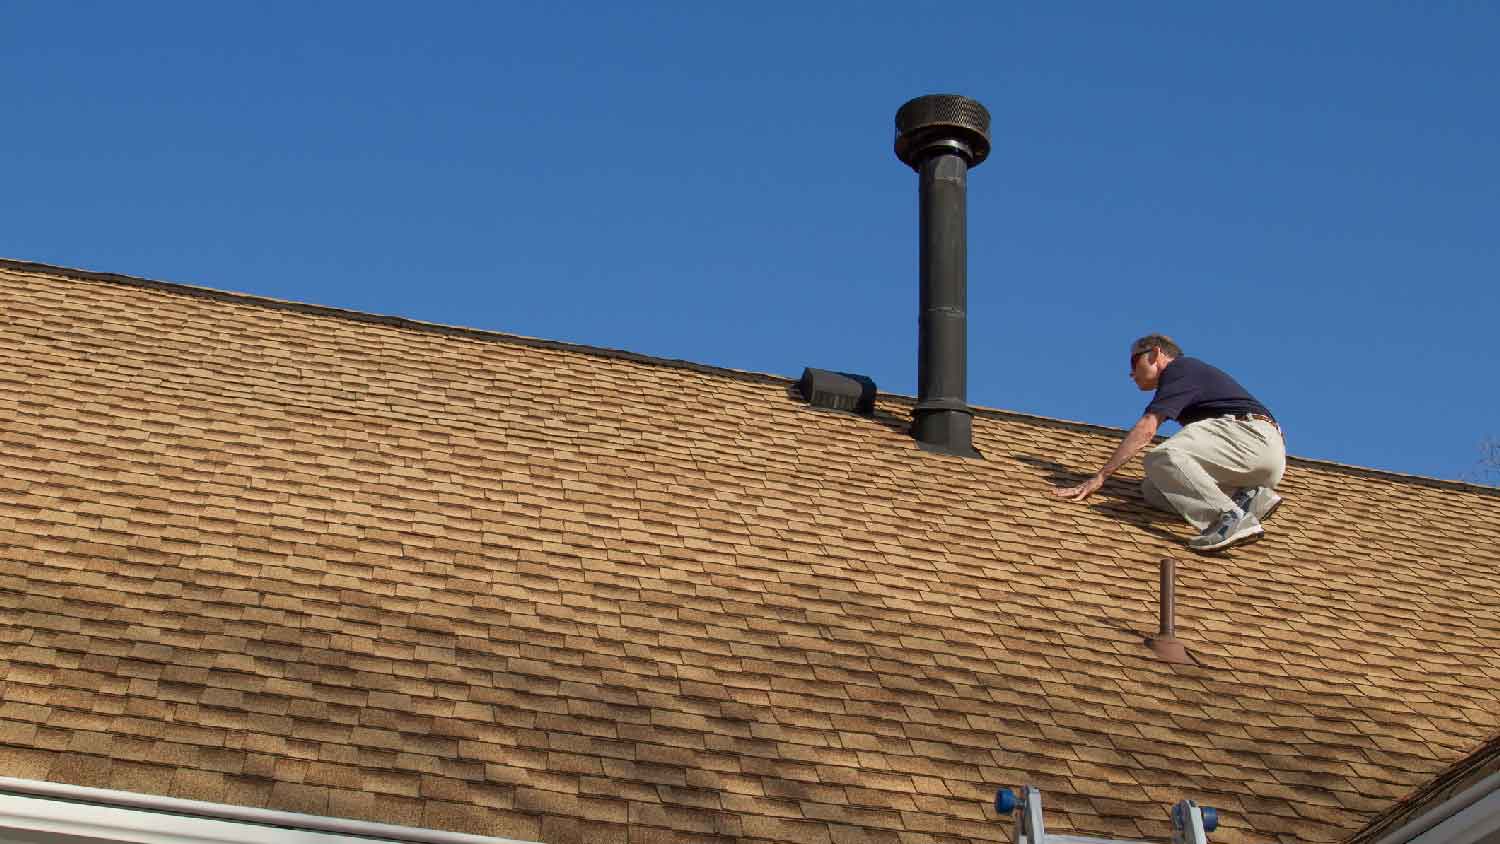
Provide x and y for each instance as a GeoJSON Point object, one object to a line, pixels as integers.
{"type": "Point", "coordinates": [1245, 538]}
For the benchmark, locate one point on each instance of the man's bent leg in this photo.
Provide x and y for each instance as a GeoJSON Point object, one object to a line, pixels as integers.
{"type": "Point", "coordinates": [1192, 469]}
{"type": "Point", "coordinates": [1152, 493]}
{"type": "Point", "coordinates": [1187, 488]}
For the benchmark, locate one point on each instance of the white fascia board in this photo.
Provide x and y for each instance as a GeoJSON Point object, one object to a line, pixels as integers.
{"type": "Point", "coordinates": [1472, 825]}
{"type": "Point", "coordinates": [53, 813]}
{"type": "Point", "coordinates": [1473, 813]}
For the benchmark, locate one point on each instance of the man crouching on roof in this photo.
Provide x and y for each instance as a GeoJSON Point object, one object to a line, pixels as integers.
{"type": "Point", "coordinates": [1221, 470]}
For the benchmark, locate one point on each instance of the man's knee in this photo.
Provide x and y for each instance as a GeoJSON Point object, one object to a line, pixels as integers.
{"type": "Point", "coordinates": [1158, 460]}
{"type": "Point", "coordinates": [1153, 496]}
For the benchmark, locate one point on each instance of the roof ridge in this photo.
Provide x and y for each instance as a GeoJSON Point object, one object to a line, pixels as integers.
{"type": "Point", "coordinates": [392, 320]}
{"type": "Point", "coordinates": [181, 289]}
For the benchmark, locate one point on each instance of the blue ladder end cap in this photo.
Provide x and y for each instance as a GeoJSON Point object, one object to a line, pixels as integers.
{"type": "Point", "coordinates": [1210, 818]}
{"type": "Point", "coordinates": [1005, 801]}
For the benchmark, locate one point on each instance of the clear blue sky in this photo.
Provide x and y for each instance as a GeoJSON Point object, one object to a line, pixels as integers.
{"type": "Point", "coordinates": [1306, 194]}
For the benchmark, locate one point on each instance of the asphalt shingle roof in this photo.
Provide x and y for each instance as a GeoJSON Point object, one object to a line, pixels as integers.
{"type": "Point", "coordinates": [291, 557]}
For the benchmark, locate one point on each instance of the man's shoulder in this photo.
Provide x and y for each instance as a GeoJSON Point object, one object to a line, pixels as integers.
{"type": "Point", "coordinates": [1186, 366]}
{"type": "Point", "coordinates": [1195, 366]}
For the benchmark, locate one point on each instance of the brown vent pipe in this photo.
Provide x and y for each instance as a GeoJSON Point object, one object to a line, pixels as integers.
{"type": "Point", "coordinates": [1165, 641]}
{"type": "Point", "coordinates": [941, 136]}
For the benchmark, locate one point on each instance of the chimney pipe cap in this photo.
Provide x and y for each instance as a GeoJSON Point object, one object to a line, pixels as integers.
{"type": "Point", "coordinates": [942, 123]}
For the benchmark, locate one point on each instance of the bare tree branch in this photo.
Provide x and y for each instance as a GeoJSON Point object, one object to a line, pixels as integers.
{"type": "Point", "coordinates": [1488, 469]}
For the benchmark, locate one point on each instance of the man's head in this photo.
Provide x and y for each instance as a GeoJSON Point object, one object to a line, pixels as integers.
{"type": "Point", "coordinates": [1148, 357]}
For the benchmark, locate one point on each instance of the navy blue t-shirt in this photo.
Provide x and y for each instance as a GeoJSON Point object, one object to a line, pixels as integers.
{"type": "Point", "coordinates": [1191, 390]}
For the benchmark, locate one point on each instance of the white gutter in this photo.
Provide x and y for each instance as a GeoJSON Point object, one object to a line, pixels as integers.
{"type": "Point", "coordinates": [57, 812]}
{"type": "Point", "coordinates": [1474, 811]}
{"type": "Point", "coordinates": [1474, 825]}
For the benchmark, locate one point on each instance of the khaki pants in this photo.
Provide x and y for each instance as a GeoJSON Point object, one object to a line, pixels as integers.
{"type": "Point", "coordinates": [1195, 471]}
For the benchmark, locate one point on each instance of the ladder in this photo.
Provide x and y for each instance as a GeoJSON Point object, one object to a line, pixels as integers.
{"type": "Point", "coordinates": [1191, 823]}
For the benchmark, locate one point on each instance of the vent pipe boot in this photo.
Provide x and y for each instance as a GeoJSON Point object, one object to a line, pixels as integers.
{"type": "Point", "coordinates": [941, 136]}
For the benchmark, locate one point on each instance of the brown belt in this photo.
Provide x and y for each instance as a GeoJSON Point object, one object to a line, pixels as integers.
{"type": "Point", "coordinates": [1253, 417]}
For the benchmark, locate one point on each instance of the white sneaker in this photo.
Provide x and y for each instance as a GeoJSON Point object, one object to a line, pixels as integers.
{"type": "Point", "coordinates": [1261, 501]}
{"type": "Point", "coordinates": [1233, 528]}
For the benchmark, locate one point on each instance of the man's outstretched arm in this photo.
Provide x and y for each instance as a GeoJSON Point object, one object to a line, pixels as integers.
{"type": "Point", "coordinates": [1138, 438]}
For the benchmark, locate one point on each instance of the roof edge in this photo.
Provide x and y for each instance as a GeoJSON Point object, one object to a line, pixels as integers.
{"type": "Point", "coordinates": [198, 291]}
{"type": "Point", "coordinates": [181, 289]}
{"type": "Point", "coordinates": [1311, 462]}
{"type": "Point", "coordinates": [1454, 788]}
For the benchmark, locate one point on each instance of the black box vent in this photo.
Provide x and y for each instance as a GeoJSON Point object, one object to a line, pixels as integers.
{"type": "Point", "coordinates": [838, 391]}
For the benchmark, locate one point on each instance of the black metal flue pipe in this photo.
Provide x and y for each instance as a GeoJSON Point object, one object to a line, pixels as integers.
{"type": "Point", "coordinates": [941, 136]}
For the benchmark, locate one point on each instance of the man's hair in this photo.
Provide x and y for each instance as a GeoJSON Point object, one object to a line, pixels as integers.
{"type": "Point", "coordinates": [1155, 341]}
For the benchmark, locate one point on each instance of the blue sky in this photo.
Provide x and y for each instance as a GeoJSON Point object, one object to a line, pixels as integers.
{"type": "Point", "coordinates": [1307, 195]}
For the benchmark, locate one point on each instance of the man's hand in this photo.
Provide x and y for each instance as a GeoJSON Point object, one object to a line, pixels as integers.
{"type": "Point", "coordinates": [1080, 492]}
{"type": "Point", "coordinates": [1138, 438]}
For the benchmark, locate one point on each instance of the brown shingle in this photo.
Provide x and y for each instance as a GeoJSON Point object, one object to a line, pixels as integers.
{"type": "Point", "coordinates": [292, 557]}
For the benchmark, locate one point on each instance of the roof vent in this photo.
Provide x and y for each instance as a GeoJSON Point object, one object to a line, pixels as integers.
{"type": "Point", "coordinates": [827, 390]}
{"type": "Point", "coordinates": [1165, 642]}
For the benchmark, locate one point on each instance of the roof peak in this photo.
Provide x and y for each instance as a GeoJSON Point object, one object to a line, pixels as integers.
{"type": "Point", "coordinates": [182, 289]}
